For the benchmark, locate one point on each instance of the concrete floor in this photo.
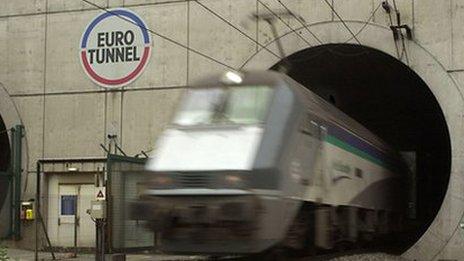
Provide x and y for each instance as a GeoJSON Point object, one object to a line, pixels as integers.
{"type": "Point", "coordinates": [20, 255]}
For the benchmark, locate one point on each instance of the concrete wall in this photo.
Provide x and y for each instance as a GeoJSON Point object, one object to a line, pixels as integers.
{"type": "Point", "coordinates": [67, 115]}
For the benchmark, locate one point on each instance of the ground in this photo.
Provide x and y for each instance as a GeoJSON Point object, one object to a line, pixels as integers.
{"type": "Point", "coordinates": [20, 255]}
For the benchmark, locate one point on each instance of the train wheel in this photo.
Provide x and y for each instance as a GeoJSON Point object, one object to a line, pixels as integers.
{"type": "Point", "coordinates": [299, 238]}
{"type": "Point", "coordinates": [273, 254]}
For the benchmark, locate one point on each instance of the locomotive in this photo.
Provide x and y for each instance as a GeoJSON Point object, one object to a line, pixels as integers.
{"type": "Point", "coordinates": [254, 160]}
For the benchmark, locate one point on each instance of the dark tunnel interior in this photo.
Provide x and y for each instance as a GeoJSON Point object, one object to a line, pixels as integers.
{"type": "Point", "coordinates": [392, 101]}
{"type": "Point", "coordinates": [4, 161]}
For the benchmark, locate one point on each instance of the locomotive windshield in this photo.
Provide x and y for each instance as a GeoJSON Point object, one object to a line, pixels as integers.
{"type": "Point", "coordinates": [225, 105]}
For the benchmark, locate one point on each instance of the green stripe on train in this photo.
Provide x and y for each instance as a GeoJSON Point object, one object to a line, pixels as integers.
{"type": "Point", "coordinates": [345, 146]}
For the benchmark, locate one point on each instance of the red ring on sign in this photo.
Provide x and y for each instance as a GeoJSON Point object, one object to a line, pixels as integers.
{"type": "Point", "coordinates": [119, 81]}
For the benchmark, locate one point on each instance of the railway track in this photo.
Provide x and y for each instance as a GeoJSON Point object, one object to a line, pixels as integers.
{"type": "Point", "coordinates": [350, 255]}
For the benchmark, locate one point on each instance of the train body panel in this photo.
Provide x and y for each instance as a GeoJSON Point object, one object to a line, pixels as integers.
{"type": "Point", "coordinates": [199, 149]}
{"type": "Point", "coordinates": [346, 175]}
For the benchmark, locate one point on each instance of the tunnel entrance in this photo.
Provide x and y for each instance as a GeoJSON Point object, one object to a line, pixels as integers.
{"type": "Point", "coordinates": [391, 100]}
{"type": "Point", "coordinates": [4, 161]}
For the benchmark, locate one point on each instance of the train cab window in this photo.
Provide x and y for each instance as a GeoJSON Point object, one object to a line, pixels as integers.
{"type": "Point", "coordinates": [198, 106]}
{"type": "Point", "coordinates": [247, 104]}
{"type": "Point", "coordinates": [225, 105]}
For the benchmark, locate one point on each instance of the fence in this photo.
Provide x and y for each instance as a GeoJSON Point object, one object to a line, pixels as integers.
{"type": "Point", "coordinates": [126, 177]}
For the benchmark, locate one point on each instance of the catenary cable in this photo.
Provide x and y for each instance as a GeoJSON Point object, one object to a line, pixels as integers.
{"type": "Point", "coordinates": [285, 23]}
{"type": "Point", "coordinates": [319, 40]}
{"type": "Point", "coordinates": [236, 28]}
{"type": "Point", "coordinates": [368, 20]}
{"type": "Point", "coordinates": [161, 36]}
{"type": "Point", "coordinates": [301, 22]}
{"type": "Point", "coordinates": [343, 21]}
{"type": "Point", "coordinates": [403, 46]}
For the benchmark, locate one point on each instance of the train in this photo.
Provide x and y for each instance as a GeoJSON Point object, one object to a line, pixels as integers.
{"type": "Point", "coordinates": [253, 161]}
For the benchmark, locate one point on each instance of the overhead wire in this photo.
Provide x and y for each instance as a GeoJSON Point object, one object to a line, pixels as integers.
{"type": "Point", "coordinates": [363, 27]}
{"type": "Point", "coordinates": [398, 23]}
{"type": "Point", "coordinates": [236, 28]}
{"type": "Point", "coordinates": [343, 21]}
{"type": "Point", "coordinates": [305, 26]}
{"type": "Point", "coordinates": [325, 46]}
{"type": "Point", "coordinates": [403, 46]}
{"type": "Point", "coordinates": [405, 51]}
{"type": "Point", "coordinates": [161, 36]}
{"type": "Point", "coordinates": [328, 47]}
{"type": "Point", "coordinates": [285, 23]}
{"type": "Point", "coordinates": [354, 36]}
{"type": "Point", "coordinates": [299, 20]}
{"type": "Point", "coordinates": [240, 31]}
{"type": "Point", "coordinates": [367, 21]}
{"type": "Point", "coordinates": [396, 10]}
{"type": "Point", "coordinates": [391, 24]}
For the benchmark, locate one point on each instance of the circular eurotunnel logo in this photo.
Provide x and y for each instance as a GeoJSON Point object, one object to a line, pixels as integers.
{"type": "Point", "coordinates": [115, 48]}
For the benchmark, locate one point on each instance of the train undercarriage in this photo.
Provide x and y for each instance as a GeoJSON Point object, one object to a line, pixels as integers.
{"type": "Point", "coordinates": [246, 225]}
{"type": "Point", "coordinates": [325, 227]}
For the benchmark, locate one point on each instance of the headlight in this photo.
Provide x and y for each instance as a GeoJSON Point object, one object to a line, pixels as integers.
{"type": "Point", "coordinates": [232, 77]}
{"type": "Point", "coordinates": [161, 182]}
{"type": "Point", "coordinates": [233, 181]}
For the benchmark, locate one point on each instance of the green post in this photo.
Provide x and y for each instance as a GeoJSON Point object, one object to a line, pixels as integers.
{"type": "Point", "coordinates": [6, 176]}
{"type": "Point", "coordinates": [16, 163]}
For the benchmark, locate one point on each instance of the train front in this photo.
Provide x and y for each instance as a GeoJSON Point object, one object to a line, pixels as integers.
{"type": "Point", "coordinates": [213, 186]}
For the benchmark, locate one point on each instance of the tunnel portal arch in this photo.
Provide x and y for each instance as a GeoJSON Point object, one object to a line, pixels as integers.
{"type": "Point", "coordinates": [432, 81]}
{"type": "Point", "coordinates": [5, 154]}
{"type": "Point", "coordinates": [392, 101]}
{"type": "Point", "coordinates": [9, 117]}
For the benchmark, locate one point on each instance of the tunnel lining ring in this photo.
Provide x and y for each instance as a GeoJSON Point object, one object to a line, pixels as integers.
{"type": "Point", "coordinates": [442, 86]}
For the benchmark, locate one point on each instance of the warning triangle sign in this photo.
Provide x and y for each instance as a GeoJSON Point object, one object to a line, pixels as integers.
{"type": "Point", "coordinates": [100, 194]}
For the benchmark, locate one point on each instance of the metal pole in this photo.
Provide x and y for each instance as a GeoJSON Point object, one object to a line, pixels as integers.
{"type": "Point", "coordinates": [75, 227]}
{"type": "Point", "coordinates": [12, 215]}
{"type": "Point", "coordinates": [99, 240]}
{"type": "Point", "coordinates": [96, 240]}
{"type": "Point", "coordinates": [17, 138]}
{"type": "Point", "coordinates": [103, 239]}
{"type": "Point", "coordinates": [99, 244]}
{"type": "Point", "coordinates": [39, 215]}
{"type": "Point", "coordinates": [13, 185]}
{"type": "Point", "coordinates": [37, 205]}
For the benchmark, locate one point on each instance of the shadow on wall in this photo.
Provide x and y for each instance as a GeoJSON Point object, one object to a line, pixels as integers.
{"type": "Point", "coordinates": [4, 160]}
